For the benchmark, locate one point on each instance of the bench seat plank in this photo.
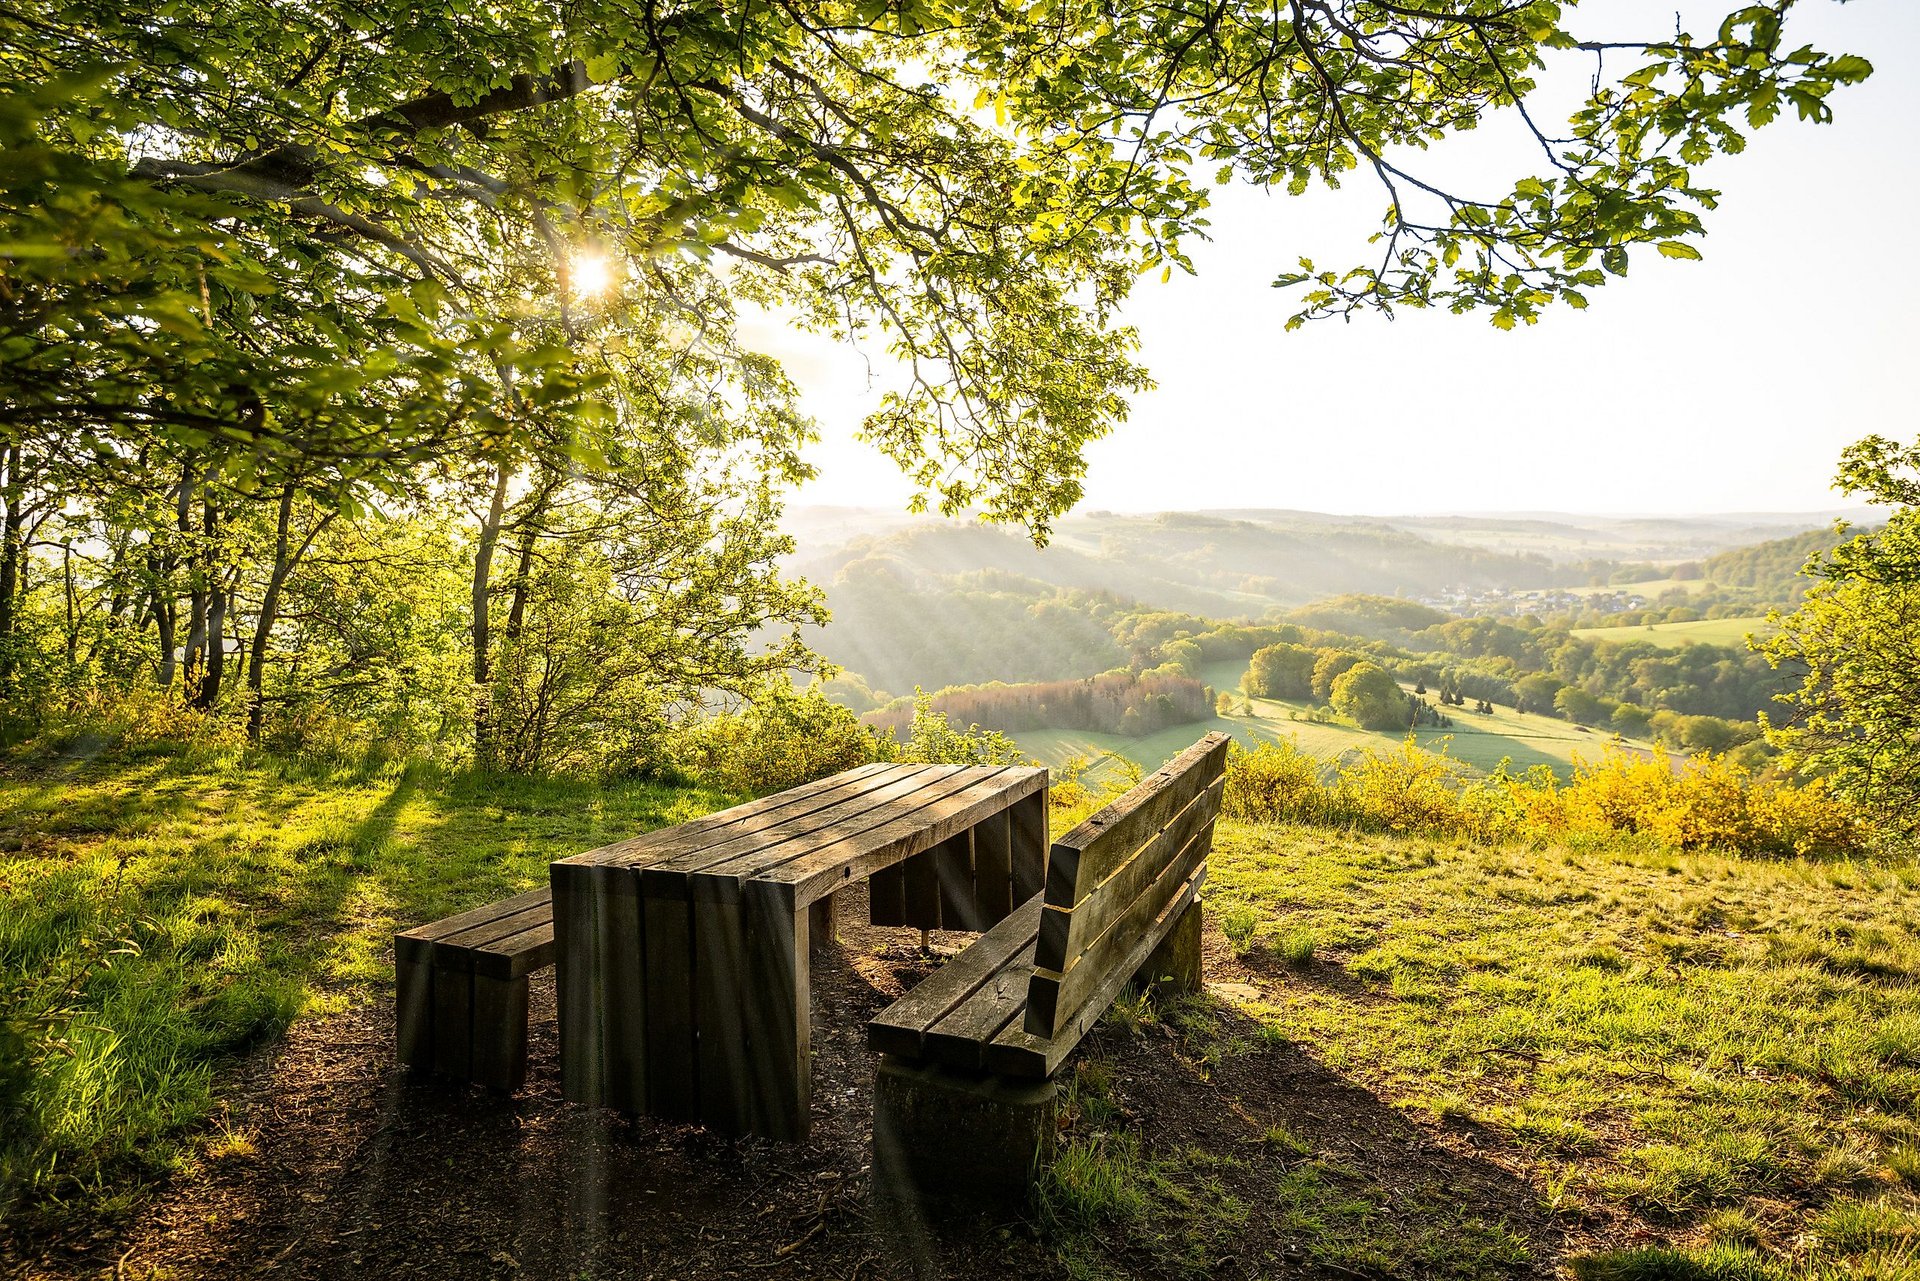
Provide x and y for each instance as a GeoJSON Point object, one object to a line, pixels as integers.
{"type": "Point", "coordinates": [901, 1028]}
{"type": "Point", "coordinates": [1017, 1052]}
{"type": "Point", "coordinates": [417, 943]}
{"type": "Point", "coordinates": [959, 1040]}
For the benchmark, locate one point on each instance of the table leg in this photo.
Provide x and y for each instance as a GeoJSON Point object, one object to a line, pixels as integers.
{"type": "Point", "coordinates": [1029, 818]}
{"type": "Point", "coordinates": [578, 941]}
{"type": "Point", "coordinates": [720, 999]}
{"type": "Point", "coordinates": [672, 1060]}
{"type": "Point", "coordinates": [777, 977]}
{"type": "Point", "coordinates": [823, 922]}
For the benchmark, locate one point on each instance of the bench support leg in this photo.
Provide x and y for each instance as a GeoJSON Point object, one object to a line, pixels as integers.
{"type": "Point", "coordinates": [1173, 970]}
{"type": "Point", "coordinates": [413, 1014]}
{"type": "Point", "coordinates": [941, 1139]}
{"type": "Point", "coordinates": [499, 1032]}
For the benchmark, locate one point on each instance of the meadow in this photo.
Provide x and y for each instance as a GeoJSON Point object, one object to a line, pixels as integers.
{"type": "Point", "coordinates": [1482, 740]}
{"type": "Point", "coordinates": [1730, 632]}
{"type": "Point", "coordinates": [160, 914]}
{"type": "Point", "coordinates": [1703, 1067]}
{"type": "Point", "coordinates": [1672, 1061]}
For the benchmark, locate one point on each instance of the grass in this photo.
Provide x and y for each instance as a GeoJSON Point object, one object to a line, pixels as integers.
{"type": "Point", "coordinates": [1731, 632]}
{"type": "Point", "coordinates": [1480, 740]}
{"type": "Point", "coordinates": [1715, 1059]}
{"type": "Point", "coordinates": [1677, 1039]}
{"type": "Point", "coordinates": [159, 915]}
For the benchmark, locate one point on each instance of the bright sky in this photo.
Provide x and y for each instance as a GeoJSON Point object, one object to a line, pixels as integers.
{"type": "Point", "coordinates": [1724, 385]}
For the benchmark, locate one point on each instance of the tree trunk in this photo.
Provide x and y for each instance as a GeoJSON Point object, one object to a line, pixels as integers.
{"type": "Point", "coordinates": [195, 658]}
{"type": "Point", "coordinates": [269, 612]}
{"type": "Point", "coordinates": [207, 697]}
{"type": "Point", "coordinates": [483, 745]}
{"type": "Point", "coordinates": [163, 619]}
{"type": "Point", "coordinates": [72, 601]}
{"type": "Point", "coordinates": [522, 579]}
{"type": "Point", "coordinates": [13, 494]}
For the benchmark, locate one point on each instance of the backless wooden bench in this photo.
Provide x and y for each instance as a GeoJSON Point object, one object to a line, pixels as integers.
{"type": "Point", "coordinates": [963, 1099]}
{"type": "Point", "coordinates": [461, 989]}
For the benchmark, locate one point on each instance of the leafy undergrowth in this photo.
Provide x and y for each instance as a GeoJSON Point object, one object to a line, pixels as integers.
{"type": "Point", "coordinates": [160, 914]}
{"type": "Point", "coordinates": [1701, 1067]}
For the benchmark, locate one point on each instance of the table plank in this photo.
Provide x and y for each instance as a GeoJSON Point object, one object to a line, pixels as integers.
{"type": "Point", "coordinates": [745, 852]}
{"type": "Point", "coordinates": [905, 831]}
{"type": "Point", "coordinates": [665, 842]}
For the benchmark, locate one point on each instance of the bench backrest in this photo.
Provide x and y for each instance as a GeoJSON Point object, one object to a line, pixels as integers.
{"type": "Point", "coordinates": [1117, 883]}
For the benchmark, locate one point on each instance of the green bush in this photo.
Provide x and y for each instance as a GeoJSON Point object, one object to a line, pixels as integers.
{"type": "Point", "coordinates": [781, 739]}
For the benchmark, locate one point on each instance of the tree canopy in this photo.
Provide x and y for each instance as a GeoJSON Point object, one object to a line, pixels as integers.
{"type": "Point", "coordinates": [1854, 718]}
{"type": "Point", "coordinates": [267, 268]}
{"type": "Point", "coordinates": [978, 185]}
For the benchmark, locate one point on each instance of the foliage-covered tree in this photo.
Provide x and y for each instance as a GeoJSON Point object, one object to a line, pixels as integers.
{"type": "Point", "coordinates": [1367, 695]}
{"type": "Point", "coordinates": [1855, 717]}
{"type": "Point", "coordinates": [1328, 665]}
{"type": "Point", "coordinates": [1282, 670]}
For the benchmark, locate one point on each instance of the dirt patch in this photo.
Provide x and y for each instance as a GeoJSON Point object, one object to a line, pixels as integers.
{"type": "Point", "coordinates": [335, 1163]}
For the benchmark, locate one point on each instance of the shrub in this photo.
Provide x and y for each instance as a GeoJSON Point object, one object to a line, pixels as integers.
{"type": "Point", "coordinates": [1274, 783]}
{"type": "Point", "coordinates": [1710, 802]}
{"type": "Point", "coordinates": [779, 740]}
{"type": "Point", "coordinates": [1408, 790]}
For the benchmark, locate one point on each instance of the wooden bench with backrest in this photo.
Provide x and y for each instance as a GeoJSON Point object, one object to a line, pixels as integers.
{"type": "Point", "coordinates": [963, 1097]}
{"type": "Point", "coordinates": [461, 989]}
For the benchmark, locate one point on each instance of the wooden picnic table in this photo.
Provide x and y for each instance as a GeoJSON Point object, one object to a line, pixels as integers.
{"type": "Point", "coordinates": [683, 953]}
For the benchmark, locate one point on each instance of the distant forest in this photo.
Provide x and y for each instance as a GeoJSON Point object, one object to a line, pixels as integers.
{"type": "Point", "coordinates": [1079, 638]}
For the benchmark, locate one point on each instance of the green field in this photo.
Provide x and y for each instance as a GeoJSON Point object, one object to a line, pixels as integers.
{"type": "Point", "coordinates": [1708, 631]}
{"type": "Point", "coordinates": [1481, 741]}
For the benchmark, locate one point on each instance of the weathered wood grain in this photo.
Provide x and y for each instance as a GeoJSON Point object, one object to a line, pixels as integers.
{"type": "Point", "coordinates": [577, 937]}
{"type": "Point", "coordinates": [887, 896]}
{"type": "Point", "coordinates": [1086, 855]}
{"type": "Point", "coordinates": [779, 1035]}
{"type": "Point", "coordinates": [992, 869]}
{"type": "Point", "coordinates": [901, 1028]}
{"type": "Point", "coordinates": [1064, 935]}
{"type": "Point", "coordinates": [953, 872]}
{"type": "Point", "coordinates": [1029, 820]}
{"type": "Point", "coordinates": [719, 1000]}
{"type": "Point", "coordinates": [1018, 1052]}
{"type": "Point", "coordinates": [823, 869]}
{"type": "Point", "coordinates": [1055, 997]}
{"type": "Point", "coordinates": [672, 1088]}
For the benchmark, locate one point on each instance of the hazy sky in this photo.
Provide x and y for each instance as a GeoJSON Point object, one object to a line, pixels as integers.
{"type": "Point", "coordinates": [1724, 385]}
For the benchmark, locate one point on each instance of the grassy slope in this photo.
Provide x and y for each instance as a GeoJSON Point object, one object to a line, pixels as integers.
{"type": "Point", "coordinates": [1482, 741]}
{"type": "Point", "coordinates": [1708, 631]}
{"type": "Point", "coordinates": [1713, 1052]}
{"type": "Point", "coordinates": [1664, 1047]}
{"type": "Point", "coordinates": [247, 894]}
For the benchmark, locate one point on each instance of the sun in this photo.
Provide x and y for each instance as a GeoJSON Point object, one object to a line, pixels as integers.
{"type": "Point", "coordinates": [590, 274]}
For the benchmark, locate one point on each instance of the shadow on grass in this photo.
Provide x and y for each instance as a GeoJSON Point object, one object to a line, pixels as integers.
{"type": "Point", "coordinates": [1195, 1145]}
{"type": "Point", "coordinates": [1206, 1144]}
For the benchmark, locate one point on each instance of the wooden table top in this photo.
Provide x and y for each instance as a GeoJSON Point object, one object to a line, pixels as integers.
{"type": "Point", "coordinates": [812, 837]}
